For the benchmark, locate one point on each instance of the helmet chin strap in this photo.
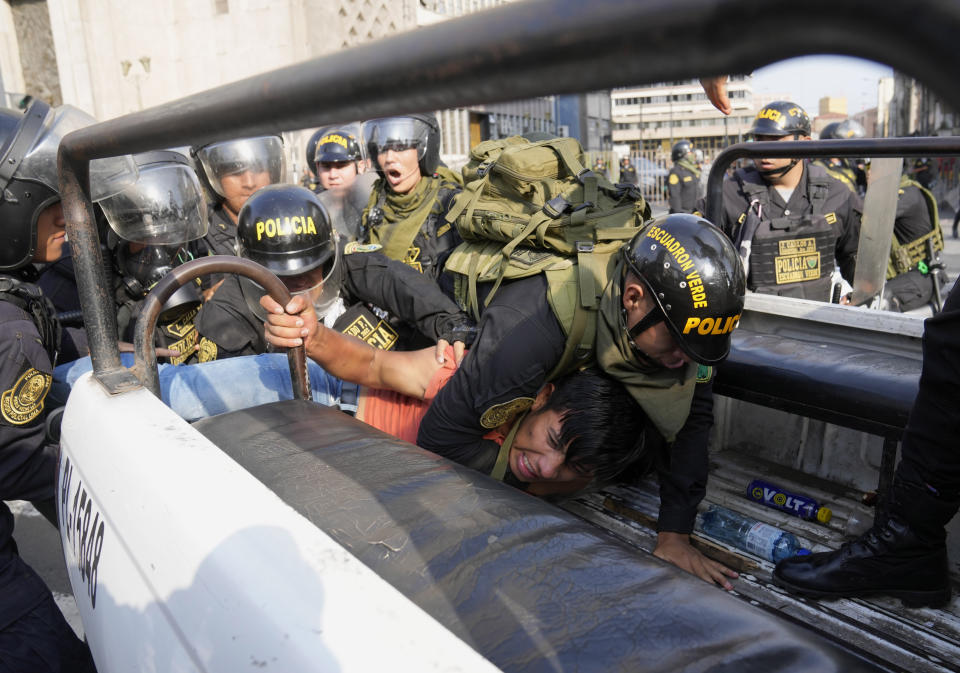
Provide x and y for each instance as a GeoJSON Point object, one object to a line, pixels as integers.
{"type": "Point", "coordinates": [778, 172]}
{"type": "Point", "coordinates": [653, 317]}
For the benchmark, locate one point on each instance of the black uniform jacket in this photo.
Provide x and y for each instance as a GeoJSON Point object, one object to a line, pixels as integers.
{"type": "Point", "coordinates": [28, 463]}
{"type": "Point", "coordinates": [519, 342]}
{"type": "Point", "coordinates": [683, 187]}
{"type": "Point", "coordinates": [368, 277]}
{"type": "Point", "coordinates": [840, 201]}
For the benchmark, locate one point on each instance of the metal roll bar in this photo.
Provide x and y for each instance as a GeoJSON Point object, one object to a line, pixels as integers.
{"type": "Point", "coordinates": [526, 49]}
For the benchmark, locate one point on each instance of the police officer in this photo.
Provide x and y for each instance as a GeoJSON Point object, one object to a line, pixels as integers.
{"type": "Point", "coordinates": [917, 240]}
{"type": "Point", "coordinates": [904, 554]}
{"type": "Point", "coordinates": [310, 180]}
{"type": "Point", "coordinates": [287, 230]}
{"type": "Point", "coordinates": [793, 224]}
{"type": "Point", "coordinates": [668, 303]}
{"type": "Point", "coordinates": [151, 224]}
{"type": "Point", "coordinates": [413, 192]}
{"type": "Point", "coordinates": [683, 183]}
{"type": "Point", "coordinates": [628, 172]}
{"type": "Point", "coordinates": [34, 636]}
{"type": "Point", "coordinates": [233, 170]}
{"type": "Point", "coordinates": [851, 172]}
{"type": "Point", "coordinates": [340, 167]}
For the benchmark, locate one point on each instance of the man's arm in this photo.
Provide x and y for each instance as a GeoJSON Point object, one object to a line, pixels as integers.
{"type": "Point", "coordinates": [396, 287]}
{"type": "Point", "coordinates": [344, 356]}
{"type": "Point", "coordinates": [682, 486]}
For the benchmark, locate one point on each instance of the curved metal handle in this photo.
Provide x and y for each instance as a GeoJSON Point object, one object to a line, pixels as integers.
{"type": "Point", "coordinates": [146, 355]}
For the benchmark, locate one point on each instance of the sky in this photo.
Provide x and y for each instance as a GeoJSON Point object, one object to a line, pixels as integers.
{"type": "Point", "coordinates": [809, 78]}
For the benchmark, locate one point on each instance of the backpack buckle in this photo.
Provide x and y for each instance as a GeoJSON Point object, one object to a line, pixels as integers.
{"type": "Point", "coordinates": [584, 246]}
{"type": "Point", "coordinates": [584, 174]}
{"type": "Point", "coordinates": [556, 207]}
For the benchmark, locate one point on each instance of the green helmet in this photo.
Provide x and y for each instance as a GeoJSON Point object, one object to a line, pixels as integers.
{"type": "Point", "coordinates": [696, 278]}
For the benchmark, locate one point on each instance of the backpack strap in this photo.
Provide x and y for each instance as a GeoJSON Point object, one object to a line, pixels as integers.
{"type": "Point", "coordinates": [503, 455]}
{"type": "Point", "coordinates": [820, 189]}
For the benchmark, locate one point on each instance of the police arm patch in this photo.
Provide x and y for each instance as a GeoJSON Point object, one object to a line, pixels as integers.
{"type": "Point", "coordinates": [704, 373]}
{"type": "Point", "coordinates": [674, 179]}
{"type": "Point", "coordinates": [499, 414]}
{"type": "Point", "coordinates": [356, 246]}
{"type": "Point", "coordinates": [24, 401]}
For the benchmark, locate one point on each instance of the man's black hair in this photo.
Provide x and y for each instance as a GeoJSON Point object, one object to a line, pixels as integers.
{"type": "Point", "coordinates": [602, 426]}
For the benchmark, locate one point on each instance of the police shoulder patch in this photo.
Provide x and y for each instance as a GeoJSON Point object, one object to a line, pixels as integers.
{"type": "Point", "coordinates": [24, 401]}
{"type": "Point", "coordinates": [704, 373]}
{"type": "Point", "coordinates": [207, 350]}
{"type": "Point", "coordinates": [357, 246]}
{"type": "Point", "coordinates": [499, 414]}
{"type": "Point", "coordinates": [674, 179]}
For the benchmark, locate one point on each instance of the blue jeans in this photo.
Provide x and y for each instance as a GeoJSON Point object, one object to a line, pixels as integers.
{"type": "Point", "coordinates": [209, 388]}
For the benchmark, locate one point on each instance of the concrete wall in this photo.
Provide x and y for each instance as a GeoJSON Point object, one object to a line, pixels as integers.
{"type": "Point", "coordinates": [38, 61]}
{"type": "Point", "coordinates": [10, 69]}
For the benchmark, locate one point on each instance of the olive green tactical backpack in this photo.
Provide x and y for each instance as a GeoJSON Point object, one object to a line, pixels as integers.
{"type": "Point", "coordinates": [530, 208]}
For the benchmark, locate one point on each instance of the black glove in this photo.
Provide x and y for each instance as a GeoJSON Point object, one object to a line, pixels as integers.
{"type": "Point", "coordinates": [458, 327]}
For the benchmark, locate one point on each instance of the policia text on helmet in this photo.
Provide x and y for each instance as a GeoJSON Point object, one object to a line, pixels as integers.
{"type": "Point", "coordinates": [779, 120]}
{"type": "Point", "coordinates": [683, 289]}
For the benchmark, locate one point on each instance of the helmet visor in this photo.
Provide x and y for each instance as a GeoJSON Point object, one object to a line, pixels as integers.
{"type": "Point", "coordinates": [234, 157]}
{"type": "Point", "coordinates": [165, 206]}
{"type": "Point", "coordinates": [107, 176]}
{"type": "Point", "coordinates": [397, 134]}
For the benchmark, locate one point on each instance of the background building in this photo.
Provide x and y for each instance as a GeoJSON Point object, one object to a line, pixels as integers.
{"type": "Point", "coordinates": [652, 118]}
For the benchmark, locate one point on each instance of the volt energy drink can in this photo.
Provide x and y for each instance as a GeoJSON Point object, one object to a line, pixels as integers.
{"type": "Point", "coordinates": [776, 497]}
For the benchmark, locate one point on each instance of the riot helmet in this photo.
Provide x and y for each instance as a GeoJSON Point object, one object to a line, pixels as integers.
{"type": "Point", "coordinates": [696, 279]}
{"type": "Point", "coordinates": [263, 154]}
{"type": "Point", "coordinates": [311, 150]}
{"type": "Point", "coordinates": [29, 182]}
{"type": "Point", "coordinates": [419, 131]}
{"type": "Point", "coordinates": [338, 145]}
{"type": "Point", "coordinates": [829, 132]}
{"type": "Point", "coordinates": [165, 206]}
{"type": "Point", "coordinates": [781, 118]}
{"type": "Point", "coordinates": [680, 149]}
{"type": "Point", "coordinates": [286, 229]}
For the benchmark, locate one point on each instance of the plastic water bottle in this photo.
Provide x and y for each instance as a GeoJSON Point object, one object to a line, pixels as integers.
{"type": "Point", "coordinates": [774, 496]}
{"type": "Point", "coordinates": [756, 537]}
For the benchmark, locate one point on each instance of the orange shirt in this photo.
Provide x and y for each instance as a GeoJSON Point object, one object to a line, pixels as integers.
{"type": "Point", "coordinates": [400, 415]}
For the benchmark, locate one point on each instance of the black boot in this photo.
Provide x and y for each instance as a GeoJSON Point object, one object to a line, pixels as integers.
{"type": "Point", "coordinates": [889, 559]}
{"type": "Point", "coordinates": [903, 555]}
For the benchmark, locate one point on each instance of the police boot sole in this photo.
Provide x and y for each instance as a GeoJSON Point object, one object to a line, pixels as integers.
{"type": "Point", "coordinates": [932, 598]}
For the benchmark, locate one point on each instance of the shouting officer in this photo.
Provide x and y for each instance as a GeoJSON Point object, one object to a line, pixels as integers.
{"type": "Point", "coordinates": [286, 229]}
{"type": "Point", "coordinates": [413, 192]}
{"type": "Point", "coordinates": [793, 224]}
{"type": "Point", "coordinates": [683, 183]}
{"type": "Point", "coordinates": [233, 170]}
{"type": "Point", "coordinates": [34, 636]}
{"type": "Point", "coordinates": [340, 168]}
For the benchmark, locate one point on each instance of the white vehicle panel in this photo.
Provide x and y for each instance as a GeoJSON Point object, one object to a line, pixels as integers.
{"type": "Point", "coordinates": [182, 561]}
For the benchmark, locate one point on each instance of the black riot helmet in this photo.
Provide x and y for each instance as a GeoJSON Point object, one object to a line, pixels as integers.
{"type": "Point", "coordinates": [681, 149]}
{"type": "Point", "coordinates": [28, 174]}
{"type": "Point", "coordinates": [286, 229]}
{"type": "Point", "coordinates": [420, 131]}
{"type": "Point", "coordinates": [781, 118]}
{"type": "Point", "coordinates": [311, 151]}
{"type": "Point", "coordinates": [338, 145]}
{"type": "Point", "coordinates": [696, 278]}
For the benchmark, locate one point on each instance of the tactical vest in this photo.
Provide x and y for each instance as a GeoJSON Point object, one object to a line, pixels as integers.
{"type": "Point", "coordinates": [417, 238]}
{"type": "Point", "coordinates": [179, 333]}
{"type": "Point", "coordinates": [792, 255]}
{"type": "Point", "coordinates": [915, 254]}
{"type": "Point", "coordinates": [30, 299]}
